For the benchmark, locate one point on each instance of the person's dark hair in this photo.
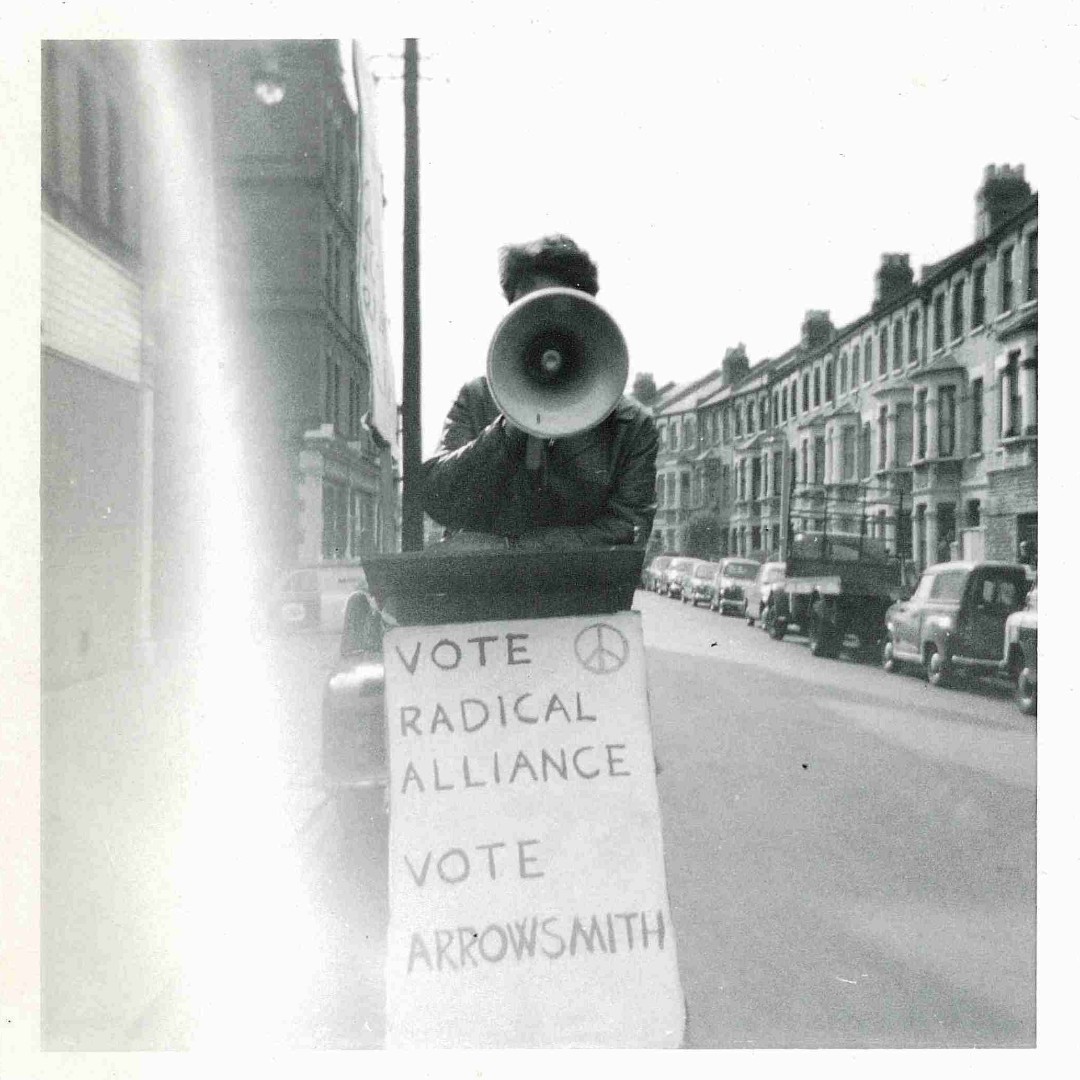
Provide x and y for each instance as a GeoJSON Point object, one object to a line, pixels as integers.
{"type": "Point", "coordinates": [556, 255]}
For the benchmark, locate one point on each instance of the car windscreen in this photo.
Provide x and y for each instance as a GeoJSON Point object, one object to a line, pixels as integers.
{"type": "Point", "coordinates": [745, 570]}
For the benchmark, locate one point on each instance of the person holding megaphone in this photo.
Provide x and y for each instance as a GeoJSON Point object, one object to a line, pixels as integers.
{"type": "Point", "coordinates": [546, 451]}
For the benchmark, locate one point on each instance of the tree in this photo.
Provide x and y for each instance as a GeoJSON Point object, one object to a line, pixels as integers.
{"type": "Point", "coordinates": [703, 535]}
{"type": "Point", "coordinates": [644, 388]}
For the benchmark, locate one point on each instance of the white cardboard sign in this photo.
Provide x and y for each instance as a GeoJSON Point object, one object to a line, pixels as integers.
{"type": "Point", "coordinates": [528, 903]}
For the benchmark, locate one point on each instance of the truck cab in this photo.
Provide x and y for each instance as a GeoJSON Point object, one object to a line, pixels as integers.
{"type": "Point", "coordinates": [955, 618]}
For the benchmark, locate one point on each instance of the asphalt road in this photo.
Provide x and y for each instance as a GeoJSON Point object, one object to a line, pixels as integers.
{"type": "Point", "coordinates": [851, 854]}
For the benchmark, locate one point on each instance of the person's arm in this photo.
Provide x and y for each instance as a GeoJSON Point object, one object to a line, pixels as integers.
{"type": "Point", "coordinates": [463, 479]}
{"type": "Point", "coordinates": [628, 514]}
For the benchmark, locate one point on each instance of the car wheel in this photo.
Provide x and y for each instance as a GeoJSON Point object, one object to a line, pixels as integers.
{"type": "Point", "coordinates": [746, 614]}
{"type": "Point", "coordinates": [888, 657]}
{"type": "Point", "coordinates": [1026, 692]}
{"type": "Point", "coordinates": [937, 668]}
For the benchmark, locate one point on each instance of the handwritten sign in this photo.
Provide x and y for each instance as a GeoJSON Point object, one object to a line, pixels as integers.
{"type": "Point", "coordinates": [528, 904]}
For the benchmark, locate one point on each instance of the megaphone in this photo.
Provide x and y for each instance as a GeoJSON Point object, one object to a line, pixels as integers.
{"type": "Point", "coordinates": [557, 364]}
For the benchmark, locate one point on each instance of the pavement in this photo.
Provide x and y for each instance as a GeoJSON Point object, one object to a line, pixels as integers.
{"type": "Point", "coordinates": [124, 772]}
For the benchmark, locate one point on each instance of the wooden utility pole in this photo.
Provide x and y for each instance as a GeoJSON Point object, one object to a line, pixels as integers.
{"type": "Point", "coordinates": [412, 512]}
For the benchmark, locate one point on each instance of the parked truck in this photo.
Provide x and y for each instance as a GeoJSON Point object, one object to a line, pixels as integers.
{"type": "Point", "coordinates": [838, 587]}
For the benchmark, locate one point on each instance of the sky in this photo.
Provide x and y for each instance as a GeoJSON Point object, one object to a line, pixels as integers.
{"type": "Point", "coordinates": [726, 175]}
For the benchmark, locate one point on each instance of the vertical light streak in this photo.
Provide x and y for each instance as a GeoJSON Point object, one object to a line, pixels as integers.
{"type": "Point", "coordinates": [246, 936]}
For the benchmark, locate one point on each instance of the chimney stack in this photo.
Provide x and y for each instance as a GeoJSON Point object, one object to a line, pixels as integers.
{"type": "Point", "coordinates": [1002, 194]}
{"type": "Point", "coordinates": [893, 277]}
{"type": "Point", "coordinates": [817, 328]}
{"type": "Point", "coordinates": [735, 365]}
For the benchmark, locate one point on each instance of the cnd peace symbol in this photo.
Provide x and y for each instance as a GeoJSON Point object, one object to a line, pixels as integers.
{"type": "Point", "coordinates": [601, 649]}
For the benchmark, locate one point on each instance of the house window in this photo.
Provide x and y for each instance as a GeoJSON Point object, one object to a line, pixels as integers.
{"type": "Point", "coordinates": [1006, 291]}
{"type": "Point", "coordinates": [805, 473]}
{"type": "Point", "coordinates": [978, 297]}
{"type": "Point", "coordinates": [738, 421]}
{"type": "Point", "coordinates": [864, 449]}
{"type": "Point", "coordinates": [777, 473]}
{"type": "Point", "coordinates": [920, 425]}
{"type": "Point", "coordinates": [828, 381]}
{"type": "Point", "coordinates": [946, 421]}
{"type": "Point", "coordinates": [1010, 397]}
{"type": "Point", "coordinates": [939, 321]}
{"type": "Point", "coordinates": [661, 431]}
{"type": "Point", "coordinates": [115, 190]}
{"type": "Point", "coordinates": [684, 489]}
{"type": "Point", "coordinates": [903, 434]}
{"type": "Point", "coordinates": [335, 520]}
{"type": "Point", "coordinates": [847, 453]}
{"type": "Point", "coordinates": [333, 391]}
{"type": "Point", "coordinates": [868, 360]}
{"type": "Point", "coordinates": [89, 164]}
{"type": "Point", "coordinates": [763, 412]}
{"type": "Point", "coordinates": [843, 373]}
{"type": "Point", "coordinates": [819, 459]}
{"type": "Point", "coordinates": [749, 418]}
{"type": "Point", "coordinates": [976, 415]}
{"type": "Point", "coordinates": [913, 338]}
{"type": "Point", "coordinates": [883, 437]}
{"type": "Point", "coordinates": [854, 367]}
{"type": "Point", "coordinates": [898, 345]}
{"type": "Point", "coordinates": [715, 426]}
{"type": "Point", "coordinates": [1031, 266]}
{"type": "Point", "coordinates": [726, 422]}
{"type": "Point", "coordinates": [817, 387]}
{"type": "Point", "coordinates": [883, 351]}
{"type": "Point", "coordinates": [328, 269]}
{"type": "Point", "coordinates": [689, 436]}
{"type": "Point", "coordinates": [50, 114]}
{"type": "Point", "coordinates": [806, 392]}
{"type": "Point", "coordinates": [957, 310]}
{"type": "Point", "coordinates": [973, 515]}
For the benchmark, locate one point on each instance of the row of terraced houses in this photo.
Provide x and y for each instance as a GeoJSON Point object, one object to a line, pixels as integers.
{"type": "Point", "coordinates": [916, 423]}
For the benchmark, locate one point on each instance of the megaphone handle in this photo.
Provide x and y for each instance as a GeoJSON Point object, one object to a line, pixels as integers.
{"type": "Point", "coordinates": [534, 453]}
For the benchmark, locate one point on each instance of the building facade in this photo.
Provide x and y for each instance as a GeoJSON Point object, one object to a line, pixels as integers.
{"type": "Point", "coordinates": [278, 216]}
{"type": "Point", "coordinates": [295, 208]}
{"type": "Point", "coordinates": [96, 388]}
{"type": "Point", "coordinates": [916, 423]}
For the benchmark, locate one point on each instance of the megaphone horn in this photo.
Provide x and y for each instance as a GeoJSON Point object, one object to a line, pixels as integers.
{"type": "Point", "coordinates": [557, 364]}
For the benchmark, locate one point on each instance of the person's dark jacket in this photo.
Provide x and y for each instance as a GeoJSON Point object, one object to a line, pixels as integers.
{"type": "Point", "coordinates": [595, 488]}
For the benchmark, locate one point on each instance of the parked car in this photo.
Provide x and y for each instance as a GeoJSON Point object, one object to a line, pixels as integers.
{"type": "Point", "coordinates": [314, 597]}
{"type": "Point", "coordinates": [671, 581]}
{"type": "Point", "coordinates": [756, 593]}
{"type": "Point", "coordinates": [653, 573]}
{"type": "Point", "coordinates": [730, 579]}
{"type": "Point", "coordinates": [955, 619]}
{"type": "Point", "coordinates": [354, 761]}
{"type": "Point", "coordinates": [699, 584]}
{"type": "Point", "coordinates": [1021, 652]}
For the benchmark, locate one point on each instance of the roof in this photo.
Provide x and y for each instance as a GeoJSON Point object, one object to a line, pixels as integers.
{"type": "Point", "coordinates": [706, 384]}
